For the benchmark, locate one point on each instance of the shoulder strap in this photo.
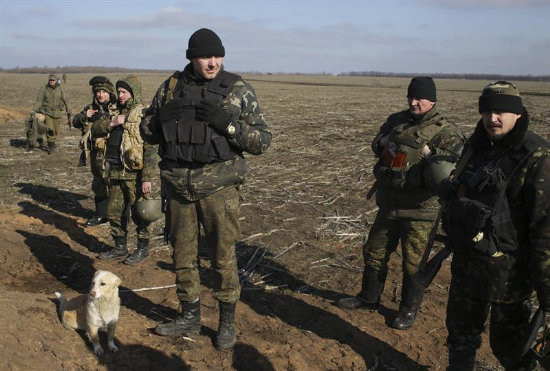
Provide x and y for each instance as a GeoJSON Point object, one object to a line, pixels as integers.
{"type": "Point", "coordinates": [223, 83]}
{"type": "Point", "coordinates": [171, 85]}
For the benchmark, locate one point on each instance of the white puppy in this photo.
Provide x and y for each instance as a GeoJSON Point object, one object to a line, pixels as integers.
{"type": "Point", "coordinates": [96, 311]}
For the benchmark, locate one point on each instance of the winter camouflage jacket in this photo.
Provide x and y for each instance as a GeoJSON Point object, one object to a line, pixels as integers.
{"type": "Point", "coordinates": [197, 180]}
{"type": "Point", "coordinates": [400, 188]}
{"type": "Point", "coordinates": [51, 101]}
{"type": "Point", "coordinates": [512, 275]}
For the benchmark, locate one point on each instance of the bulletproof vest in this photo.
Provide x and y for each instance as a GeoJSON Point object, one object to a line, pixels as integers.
{"type": "Point", "coordinates": [400, 161]}
{"type": "Point", "coordinates": [185, 139]}
{"type": "Point", "coordinates": [124, 143]}
{"type": "Point", "coordinates": [479, 215]}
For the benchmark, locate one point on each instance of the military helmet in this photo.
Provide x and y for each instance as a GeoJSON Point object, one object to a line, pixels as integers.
{"type": "Point", "coordinates": [148, 210]}
{"type": "Point", "coordinates": [436, 169]}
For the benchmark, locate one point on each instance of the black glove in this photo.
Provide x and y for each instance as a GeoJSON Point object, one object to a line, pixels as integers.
{"type": "Point", "coordinates": [217, 118]}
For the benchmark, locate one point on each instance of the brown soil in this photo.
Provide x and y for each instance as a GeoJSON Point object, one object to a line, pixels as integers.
{"type": "Point", "coordinates": [303, 205]}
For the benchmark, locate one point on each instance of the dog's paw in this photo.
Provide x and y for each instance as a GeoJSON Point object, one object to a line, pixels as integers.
{"type": "Point", "coordinates": [98, 349]}
{"type": "Point", "coordinates": [112, 346]}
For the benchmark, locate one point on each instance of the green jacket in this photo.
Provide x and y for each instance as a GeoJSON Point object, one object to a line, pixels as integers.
{"type": "Point", "coordinates": [196, 181]}
{"type": "Point", "coordinates": [51, 101]}
{"type": "Point", "coordinates": [401, 189]}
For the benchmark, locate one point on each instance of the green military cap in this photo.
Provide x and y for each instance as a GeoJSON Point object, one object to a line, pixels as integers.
{"type": "Point", "coordinates": [53, 77]}
{"type": "Point", "coordinates": [102, 83]}
{"type": "Point", "coordinates": [500, 96]}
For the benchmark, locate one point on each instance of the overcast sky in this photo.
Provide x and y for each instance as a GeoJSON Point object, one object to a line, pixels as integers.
{"type": "Point", "coordinates": [309, 36]}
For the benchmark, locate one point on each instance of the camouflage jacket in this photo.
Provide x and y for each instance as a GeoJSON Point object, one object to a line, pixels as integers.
{"type": "Point", "coordinates": [195, 180]}
{"type": "Point", "coordinates": [133, 110]}
{"type": "Point", "coordinates": [51, 101]}
{"type": "Point", "coordinates": [403, 193]}
{"type": "Point", "coordinates": [511, 276]}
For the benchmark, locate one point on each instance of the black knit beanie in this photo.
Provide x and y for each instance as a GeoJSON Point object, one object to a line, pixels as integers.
{"type": "Point", "coordinates": [500, 96]}
{"type": "Point", "coordinates": [205, 43]}
{"type": "Point", "coordinates": [124, 85]}
{"type": "Point", "coordinates": [422, 87]}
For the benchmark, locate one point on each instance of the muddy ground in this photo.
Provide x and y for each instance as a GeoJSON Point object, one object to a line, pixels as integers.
{"type": "Point", "coordinates": [304, 216]}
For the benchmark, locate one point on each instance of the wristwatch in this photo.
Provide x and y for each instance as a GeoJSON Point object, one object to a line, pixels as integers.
{"type": "Point", "coordinates": [231, 129]}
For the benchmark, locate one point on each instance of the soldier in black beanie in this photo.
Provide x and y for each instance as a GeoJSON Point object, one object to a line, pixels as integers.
{"type": "Point", "coordinates": [204, 119]}
{"type": "Point", "coordinates": [416, 149]}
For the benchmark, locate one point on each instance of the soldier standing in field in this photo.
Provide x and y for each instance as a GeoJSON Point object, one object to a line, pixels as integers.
{"type": "Point", "coordinates": [203, 119]}
{"type": "Point", "coordinates": [497, 221]}
{"type": "Point", "coordinates": [50, 102]}
{"type": "Point", "coordinates": [416, 149]}
{"type": "Point", "coordinates": [129, 167]}
{"type": "Point", "coordinates": [103, 107]}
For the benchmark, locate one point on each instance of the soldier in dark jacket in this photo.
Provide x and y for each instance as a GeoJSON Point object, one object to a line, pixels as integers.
{"type": "Point", "coordinates": [203, 119]}
{"type": "Point", "coordinates": [50, 102]}
{"type": "Point", "coordinates": [417, 148]}
{"type": "Point", "coordinates": [497, 221]}
{"type": "Point", "coordinates": [102, 108]}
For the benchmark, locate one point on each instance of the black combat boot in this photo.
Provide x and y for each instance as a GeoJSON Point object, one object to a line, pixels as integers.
{"type": "Point", "coordinates": [82, 159]}
{"type": "Point", "coordinates": [119, 251]}
{"type": "Point", "coordinates": [100, 213]}
{"type": "Point", "coordinates": [463, 360]}
{"type": "Point", "coordinates": [226, 338]}
{"type": "Point", "coordinates": [411, 298]}
{"type": "Point", "coordinates": [188, 322]}
{"type": "Point", "coordinates": [369, 297]}
{"type": "Point", "coordinates": [141, 252]}
{"type": "Point", "coordinates": [51, 147]}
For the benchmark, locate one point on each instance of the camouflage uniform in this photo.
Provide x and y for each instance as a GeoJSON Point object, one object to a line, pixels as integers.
{"type": "Point", "coordinates": [124, 179]}
{"type": "Point", "coordinates": [50, 101]}
{"type": "Point", "coordinates": [501, 282]}
{"type": "Point", "coordinates": [206, 193]}
{"type": "Point", "coordinates": [407, 205]}
{"type": "Point", "coordinates": [104, 113]}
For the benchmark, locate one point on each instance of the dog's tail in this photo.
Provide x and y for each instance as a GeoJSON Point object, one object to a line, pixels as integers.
{"type": "Point", "coordinates": [62, 302]}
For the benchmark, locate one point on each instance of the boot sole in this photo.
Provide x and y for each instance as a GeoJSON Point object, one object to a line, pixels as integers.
{"type": "Point", "coordinates": [112, 258]}
{"type": "Point", "coordinates": [127, 262]}
{"type": "Point", "coordinates": [225, 348]}
{"type": "Point", "coordinates": [191, 333]}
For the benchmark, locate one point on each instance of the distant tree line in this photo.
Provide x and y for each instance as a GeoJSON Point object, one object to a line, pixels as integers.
{"type": "Point", "coordinates": [78, 69]}
{"type": "Point", "coordinates": [464, 76]}
{"type": "Point", "coordinates": [102, 69]}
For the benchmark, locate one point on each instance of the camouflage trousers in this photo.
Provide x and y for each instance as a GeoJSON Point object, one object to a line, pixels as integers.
{"type": "Point", "coordinates": [466, 318]}
{"type": "Point", "coordinates": [53, 128]}
{"type": "Point", "coordinates": [384, 236]}
{"type": "Point", "coordinates": [219, 216]}
{"type": "Point", "coordinates": [99, 184]}
{"type": "Point", "coordinates": [123, 194]}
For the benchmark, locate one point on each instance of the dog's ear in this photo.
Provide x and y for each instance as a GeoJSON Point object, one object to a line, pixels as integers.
{"type": "Point", "coordinates": [117, 281]}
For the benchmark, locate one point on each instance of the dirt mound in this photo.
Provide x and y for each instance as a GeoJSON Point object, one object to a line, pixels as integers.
{"type": "Point", "coordinates": [10, 114]}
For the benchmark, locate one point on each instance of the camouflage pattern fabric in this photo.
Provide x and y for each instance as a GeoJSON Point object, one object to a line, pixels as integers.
{"type": "Point", "coordinates": [466, 319]}
{"type": "Point", "coordinates": [207, 194]}
{"type": "Point", "coordinates": [123, 192]}
{"type": "Point", "coordinates": [219, 216]}
{"type": "Point", "coordinates": [51, 101]}
{"type": "Point", "coordinates": [81, 121]}
{"type": "Point", "coordinates": [505, 281]}
{"type": "Point", "coordinates": [415, 200]}
{"type": "Point", "coordinates": [384, 236]}
{"type": "Point", "coordinates": [252, 136]}
{"type": "Point", "coordinates": [124, 184]}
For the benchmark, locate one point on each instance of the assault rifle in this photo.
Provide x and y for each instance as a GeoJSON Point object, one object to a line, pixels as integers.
{"type": "Point", "coordinates": [538, 336]}
{"type": "Point", "coordinates": [426, 274]}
